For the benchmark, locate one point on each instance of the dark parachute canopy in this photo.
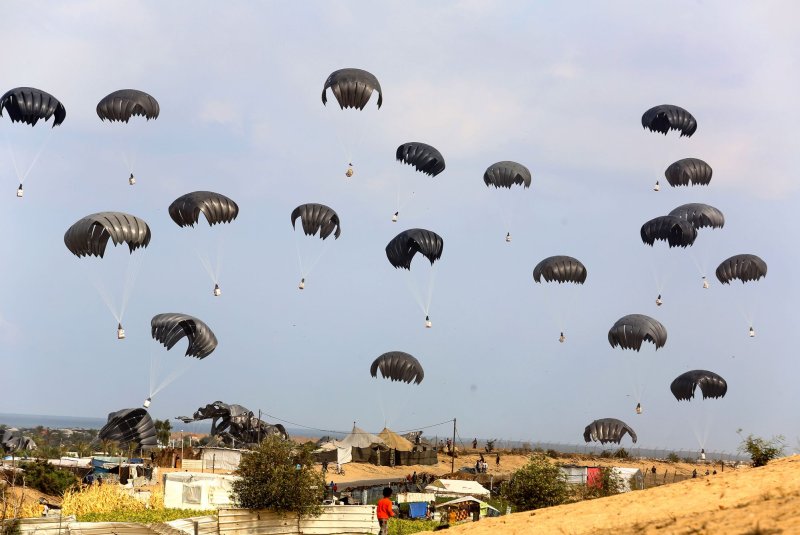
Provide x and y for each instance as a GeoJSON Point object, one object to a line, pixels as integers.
{"type": "Point", "coordinates": [89, 235]}
{"type": "Point", "coordinates": [317, 217]}
{"type": "Point", "coordinates": [608, 430]}
{"type": "Point", "coordinates": [352, 88]}
{"type": "Point", "coordinates": [424, 158]}
{"type": "Point", "coordinates": [171, 327]}
{"type": "Point", "coordinates": [186, 209]}
{"type": "Point", "coordinates": [28, 105]}
{"type": "Point", "coordinates": [711, 385]}
{"type": "Point", "coordinates": [130, 426]}
{"type": "Point", "coordinates": [401, 250]}
{"type": "Point", "coordinates": [507, 174]}
{"type": "Point", "coordinates": [560, 269]}
{"type": "Point", "coordinates": [630, 331]}
{"type": "Point", "coordinates": [672, 229]}
{"type": "Point", "coordinates": [667, 117]}
{"type": "Point", "coordinates": [398, 366]}
{"type": "Point", "coordinates": [692, 171]}
{"type": "Point", "coordinates": [700, 215]}
{"type": "Point", "coordinates": [123, 104]}
{"type": "Point", "coordinates": [745, 267]}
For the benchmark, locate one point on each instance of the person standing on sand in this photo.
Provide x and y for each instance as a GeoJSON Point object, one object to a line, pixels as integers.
{"type": "Point", "coordinates": [385, 511]}
{"type": "Point", "coordinates": [474, 443]}
{"type": "Point", "coordinates": [497, 460]}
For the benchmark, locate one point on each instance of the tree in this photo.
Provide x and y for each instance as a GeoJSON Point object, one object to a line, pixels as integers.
{"type": "Point", "coordinates": [537, 484]}
{"type": "Point", "coordinates": [280, 475]}
{"type": "Point", "coordinates": [762, 451]}
{"type": "Point", "coordinates": [45, 477]}
{"type": "Point", "coordinates": [608, 484]}
{"type": "Point", "coordinates": [163, 431]}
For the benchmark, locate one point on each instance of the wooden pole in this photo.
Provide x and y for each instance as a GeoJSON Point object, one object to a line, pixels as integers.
{"type": "Point", "coordinates": [453, 450]}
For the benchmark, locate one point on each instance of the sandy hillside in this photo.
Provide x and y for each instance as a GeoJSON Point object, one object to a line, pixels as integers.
{"type": "Point", "coordinates": [759, 500]}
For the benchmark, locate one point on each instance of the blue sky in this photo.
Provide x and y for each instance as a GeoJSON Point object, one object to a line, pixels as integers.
{"type": "Point", "coordinates": [557, 86]}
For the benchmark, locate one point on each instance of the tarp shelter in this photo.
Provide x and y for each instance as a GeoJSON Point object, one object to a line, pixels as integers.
{"type": "Point", "coordinates": [631, 478]}
{"type": "Point", "coordinates": [224, 459]}
{"type": "Point", "coordinates": [333, 452]}
{"type": "Point", "coordinates": [486, 509]}
{"type": "Point", "coordinates": [395, 441]}
{"type": "Point", "coordinates": [193, 490]}
{"type": "Point", "coordinates": [363, 448]}
{"type": "Point", "coordinates": [457, 488]}
{"type": "Point", "coordinates": [418, 509]}
{"type": "Point", "coordinates": [403, 452]}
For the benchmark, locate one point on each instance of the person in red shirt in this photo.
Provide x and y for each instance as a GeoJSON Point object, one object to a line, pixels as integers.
{"type": "Point", "coordinates": [385, 511]}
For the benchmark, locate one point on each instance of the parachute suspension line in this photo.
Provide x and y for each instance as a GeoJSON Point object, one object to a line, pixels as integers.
{"type": "Point", "coordinates": [413, 287]}
{"type": "Point", "coordinates": [206, 263]}
{"type": "Point", "coordinates": [105, 295]}
{"type": "Point", "coordinates": [431, 284]}
{"type": "Point", "coordinates": [701, 266]}
{"type": "Point", "coordinates": [131, 274]}
{"type": "Point", "coordinates": [325, 245]}
{"type": "Point", "coordinates": [153, 373]}
{"type": "Point", "coordinates": [179, 371]}
{"type": "Point", "coordinates": [36, 157]}
{"type": "Point", "coordinates": [299, 257]}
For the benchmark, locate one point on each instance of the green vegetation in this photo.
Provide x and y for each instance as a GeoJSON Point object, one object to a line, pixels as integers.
{"type": "Point", "coordinates": [537, 484]}
{"type": "Point", "coordinates": [673, 458]}
{"type": "Point", "coordinates": [145, 516]}
{"type": "Point", "coordinates": [762, 451]}
{"type": "Point", "coordinates": [44, 477]}
{"type": "Point", "coordinates": [280, 476]}
{"type": "Point", "coordinates": [405, 527]}
{"type": "Point", "coordinates": [163, 430]}
{"type": "Point", "coordinates": [610, 483]}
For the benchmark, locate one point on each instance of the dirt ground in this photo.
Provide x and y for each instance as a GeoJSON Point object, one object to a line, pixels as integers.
{"type": "Point", "coordinates": [744, 501]}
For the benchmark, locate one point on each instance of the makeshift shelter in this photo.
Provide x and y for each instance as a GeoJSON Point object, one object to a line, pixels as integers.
{"type": "Point", "coordinates": [457, 488]}
{"type": "Point", "coordinates": [333, 452]}
{"type": "Point", "coordinates": [362, 446]}
{"type": "Point", "coordinates": [192, 490]}
{"type": "Point", "coordinates": [463, 505]}
{"type": "Point", "coordinates": [226, 459]}
{"type": "Point", "coordinates": [403, 452]}
{"type": "Point", "coordinates": [630, 478]}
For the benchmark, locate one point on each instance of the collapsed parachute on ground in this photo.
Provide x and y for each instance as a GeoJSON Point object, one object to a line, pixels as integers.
{"type": "Point", "coordinates": [744, 267]}
{"type": "Point", "coordinates": [675, 231]}
{"type": "Point", "coordinates": [608, 430]}
{"type": "Point", "coordinates": [711, 385]}
{"type": "Point", "coordinates": [317, 217]}
{"type": "Point", "coordinates": [700, 215]}
{"type": "Point", "coordinates": [424, 158]}
{"type": "Point", "coordinates": [186, 209]}
{"type": "Point", "coordinates": [507, 174]}
{"type": "Point", "coordinates": [169, 328]}
{"type": "Point", "coordinates": [123, 104]}
{"type": "Point", "coordinates": [401, 250]}
{"type": "Point", "coordinates": [89, 235]}
{"type": "Point", "coordinates": [560, 269]}
{"type": "Point", "coordinates": [352, 88]}
{"type": "Point", "coordinates": [13, 441]}
{"type": "Point", "coordinates": [667, 117]}
{"type": "Point", "coordinates": [29, 105]}
{"type": "Point", "coordinates": [688, 171]}
{"type": "Point", "coordinates": [130, 426]}
{"type": "Point", "coordinates": [630, 331]}
{"type": "Point", "coordinates": [398, 366]}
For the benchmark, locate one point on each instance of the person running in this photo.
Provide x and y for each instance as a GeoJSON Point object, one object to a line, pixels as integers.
{"type": "Point", "coordinates": [385, 511]}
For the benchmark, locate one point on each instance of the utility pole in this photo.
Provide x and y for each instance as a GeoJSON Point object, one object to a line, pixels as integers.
{"type": "Point", "coordinates": [259, 426]}
{"type": "Point", "coordinates": [453, 450]}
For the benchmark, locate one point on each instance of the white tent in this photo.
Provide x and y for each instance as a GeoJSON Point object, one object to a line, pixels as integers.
{"type": "Point", "coordinates": [358, 438]}
{"type": "Point", "coordinates": [631, 478]}
{"type": "Point", "coordinates": [486, 509]}
{"type": "Point", "coordinates": [457, 488]}
{"type": "Point", "coordinates": [344, 454]}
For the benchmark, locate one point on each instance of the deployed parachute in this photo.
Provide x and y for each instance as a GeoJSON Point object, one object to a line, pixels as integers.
{"type": "Point", "coordinates": [317, 217]}
{"type": "Point", "coordinates": [89, 235]}
{"type": "Point", "coordinates": [507, 174]}
{"type": "Point", "coordinates": [29, 105]}
{"type": "Point", "coordinates": [123, 104]}
{"type": "Point", "coordinates": [630, 331]}
{"type": "Point", "coordinates": [692, 171]}
{"type": "Point", "coordinates": [667, 117]}
{"type": "Point", "coordinates": [672, 229]}
{"type": "Point", "coordinates": [560, 269]}
{"type": "Point", "coordinates": [608, 430]}
{"type": "Point", "coordinates": [401, 250]}
{"type": "Point", "coordinates": [744, 267]}
{"type": "Point", "coordinates": [711, 385]}
{"type": "Point", "coordinates": [186, 209]}
{"type": "Point", "coordinates": [424, 158]}
{"type": "Point", "coordinates": [352, 88]}
{"type": "Point", "coordinates": [130, 426]}
{"type": "Point", "coordinates": [170, 328]}
{"type": "Point", "coordinates": [700, 215]}
{"type": "Point", "coordinates": [398, 366]}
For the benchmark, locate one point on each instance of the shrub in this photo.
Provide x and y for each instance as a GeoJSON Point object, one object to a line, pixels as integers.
{"type": "Point", "coordinates": [621, 453]}
{"type": "Point", "coordinates": [609, 483]}
{"type": "Point", "coordinates": [762, 451]}
{"type": "Point", "coordinates": [553, 454]}
{"type": "Point", "coordinates": [673, 458]}
{"type": "Point", "coordinates": [113, 500]}
{"type": "Point", "coordinates": [605, 454]}
{"type": "Point", "coordinates": [406, 527]}
{"type": "Point", "coordinates": [45, 477]}
{"type": "Point", "coordinates": [537, 484]}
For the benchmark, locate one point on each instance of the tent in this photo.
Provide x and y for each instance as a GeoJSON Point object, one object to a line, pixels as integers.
{"type": "Point", "coordinates": [358, 446]}
{"type": "Point", "coordinates": [463, 503]}
{"type": "Point", "coordinates": [403, 452]}
{"type": "Point", "coordinates": [457, 488]}
{"type": "Point", "coordinates": [395, 441]}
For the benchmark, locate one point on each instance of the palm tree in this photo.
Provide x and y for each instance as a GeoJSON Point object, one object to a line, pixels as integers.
{"type": "Point", "coordinates": [163, 431]}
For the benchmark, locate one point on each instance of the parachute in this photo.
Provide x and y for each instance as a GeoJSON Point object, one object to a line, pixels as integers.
{"type": "Point", "coordinates": [608, 430]}
{"type": "Point", "coordinates": [689, 171]}
{"type": "Point", "coordinates": [352, 88]}
{"type": "Point", "coordinates": [123, 104]}
{"type": "Point", "coordinates": [169, 328]}
{"type": "Point", "coordinates": [424, 158]}
{"type": "Point", "coordinates": [89, 235]}
{"type": "Point", "coordinates": [672, 229]}
{"type": "Point", "coordinates": [130, 426]}
{"type": "Point", "coordinates": [29, 105]}
{"type": "Point", "coordinates": [700, 215]}
{"type": "Point", "coordinates": [744, 267]}
{"type": "Point", "coordinates": [630, 331]}
{"type": "Point", "coordinates": [401, 250]}
{"type": "Point", "coordinates": [507, 174]}
{"type": "Point", "coordinates": [186, 209]}
{"type": "Point", "coordinates": [398, 366]}
{"type": "Point", "coordinates": [667, 117]}
{"type": "Point", "coordinates": [560, 269]}
{"type": "Point", "coordinates": [711, 385]}
{"type": "Point", "coordinates": [317, 217]}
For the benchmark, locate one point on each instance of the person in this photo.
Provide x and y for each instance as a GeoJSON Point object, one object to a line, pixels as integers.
{"type": "Point", "coordinates": [714, 472]}
{"type": "Point", "coordinates": [332, 487]}
{"type": "Point", "coordinates": [694, 473]}
{"type": "Point", "coordinates": [324, 467]}
{"type": "Point", "coordinates": [414, 477]}
{"type": "Point", "coordinates": [653, 470]}
{"type": "Point", "coordinates": [478, 466]}
{"type": "Point", "coordinates": [474, 443]}
{"type": "Point", "coordinates": [707, 472]}
{"type": "Point", "coordinates": [335, 488]}
{"type": "Point", "coordinates": [385, 511]}
{"type": "Point", "coordinates": [702, 454]}
{"type": "Point", "coordinates": [497, 460]}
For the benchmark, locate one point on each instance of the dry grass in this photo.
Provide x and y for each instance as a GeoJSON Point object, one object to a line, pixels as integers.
{"type": "Point", "coordinates": [106, 499]}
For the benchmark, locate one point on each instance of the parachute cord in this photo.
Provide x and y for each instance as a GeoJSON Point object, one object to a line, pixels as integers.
{"type": "Point", "coordinates": [413, 288]}
{"type": "Point", "coordinates": [131, 274]}
{"type": "Point", "coordinates": [36, 157]}
{"type": "Point", "coordinates": [206, 262]}
{"type": "Point", "coordinates": [106, 297]}
{"type": "Point", "coordinates": [10, 148]}
{"type": "Point", "coordinates": [431, 283]}
{"type": "Point", "coordinates": [153, 373]}
{"type": "Point", "coordinates": [326, 244]}
{"type": "Point", "coordinates": [701, 267]}
{"type": "Point", "coordinates": [299, 256]}
{"type": "Point", "coordinates": [178, 372]}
